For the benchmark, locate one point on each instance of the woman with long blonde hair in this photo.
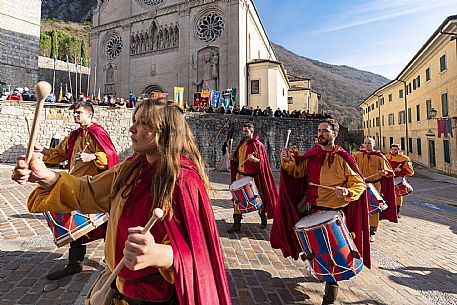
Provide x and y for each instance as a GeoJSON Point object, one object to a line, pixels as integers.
{"type": "Point", "coordinates": [179, 261]}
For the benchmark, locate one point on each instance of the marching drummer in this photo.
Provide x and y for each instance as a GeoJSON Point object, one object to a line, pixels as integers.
{"type": "Point", "coordinates": [325, 177]}
{"type": "Point", "coordinates": [377, 170]}
{"type": "Point", "coordinates": [89, 151]}
{"type": "Point", "coordinates": [402, 166]}
{"type": "Point", "coordinates": [250, 159]}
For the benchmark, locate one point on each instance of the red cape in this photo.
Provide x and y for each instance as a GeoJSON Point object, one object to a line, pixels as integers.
{"type": "Point", "coordinates": [101, 136]}
{"type": "Point", "coordinates": [388, 192]}
{"type": "Point", "coordinates": [200, 275]}
{"type": "Point", "coordinates": [262, 174]}
{"type": "Point", "coordinates": [292, 190]}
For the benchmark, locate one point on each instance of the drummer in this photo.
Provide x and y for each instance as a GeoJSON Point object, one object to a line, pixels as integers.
{"type": "Point", "coordinates": [250, 159]}
{"type": "Point", "coordinates": [377, 170]}
{"type": "Point", "coordinates": [328, 165]}
{"type": "Point", "coordinates": [89, 151]}
{"type": "Point", "coordinates": [402, 166]}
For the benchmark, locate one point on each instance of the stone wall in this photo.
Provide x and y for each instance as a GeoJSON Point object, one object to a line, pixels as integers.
{"type": "Point", "coordinates": [58, 120]}
{"type": "Point", "coordinates": [46, 73]}
{"type": "Point", "coordinates": [20, 42]}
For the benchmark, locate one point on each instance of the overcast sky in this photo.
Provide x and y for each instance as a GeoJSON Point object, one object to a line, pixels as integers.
{"type": "Point", "coordinates": [379, 36]}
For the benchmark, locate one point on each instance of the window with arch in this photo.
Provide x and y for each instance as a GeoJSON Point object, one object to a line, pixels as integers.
{"type": "Point", "coordinates": [210, 27]}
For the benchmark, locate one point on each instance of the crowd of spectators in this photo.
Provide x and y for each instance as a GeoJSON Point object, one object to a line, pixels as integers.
{"type": "Point", "coordinates": [278, 113]}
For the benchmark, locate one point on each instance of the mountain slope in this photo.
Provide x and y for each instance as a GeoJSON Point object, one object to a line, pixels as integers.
{"type": "Point", "coordinates": [342, 87]}
{"type": "Point", "coordinates": [68, 10]}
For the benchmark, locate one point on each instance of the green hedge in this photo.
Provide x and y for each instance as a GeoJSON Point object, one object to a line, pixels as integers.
{"type": "Point", "coordinates": [61, 43]}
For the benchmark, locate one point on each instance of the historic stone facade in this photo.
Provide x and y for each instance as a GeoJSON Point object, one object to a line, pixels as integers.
{"type": "Point", "coordinates": [206, 127]}
{"type": "Point", "coordinates": [20, 43]}
{"type": "Point", "coordinates": [154, 45]}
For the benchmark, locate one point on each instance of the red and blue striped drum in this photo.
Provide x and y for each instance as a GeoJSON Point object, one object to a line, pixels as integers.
{"type": "Point", "coordinates": [376, 203]}
{"type": "Point", "coordinates": [328, 246]}
{"type": "Point", "coordinates": [402, 186]}
{"type": "Point", "coordinates": [68, 227]}
{"type": "Point", "coordinates": [246, 194]}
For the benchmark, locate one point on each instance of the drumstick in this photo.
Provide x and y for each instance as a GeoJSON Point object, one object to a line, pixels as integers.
{"type": "Point", "coordinates": [323, 186]}
{"type": "Point", "coordinates": [42, 91]}
{"type": "Point", "coordinates": [372, 175]}
{"type": "Point", "coordinates": [287, 138]}
{"type": "Point", "coordinates": [98, 296]}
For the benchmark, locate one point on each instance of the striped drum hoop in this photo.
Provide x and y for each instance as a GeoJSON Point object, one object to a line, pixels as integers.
{"type": "Point", "coordinates": [375, 202]}
{"type": "Point", "coordinates": [68, 227]}
{"type": "Point", "coordinates": [246, 194]}
{"type": "Point", "coordinates": [328, 246]}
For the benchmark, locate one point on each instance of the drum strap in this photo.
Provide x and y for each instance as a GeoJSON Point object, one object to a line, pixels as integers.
{"type": "Point", "coordinates": [376, 181]}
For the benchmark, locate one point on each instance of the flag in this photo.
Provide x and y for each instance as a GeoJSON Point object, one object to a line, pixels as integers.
{"type": "Point", "coordinates": [216, 98]}
{"type": "Point", "coordinates": [233, 97]}
{"type": "Point", "coordinates": [441, 127]}
{"type": "Point", "coordinates": [447, 127]}
{"type": "Point", "coordinates": [197, 97]}
{"type": "Point", "coordinates": [55, 59]}
{"type": "Point", "coordinates": [205, 93]}
{"type": "Point", "coordinates": [65, 93]}
{"type": "Point", "coordinates": [98, 96]}
{"type": "Point", "coordinates": [179, 96]}
{"type": "Point", "coordinates": [157, 95]}
{"type": "Point", "coordinates": [67, 59]}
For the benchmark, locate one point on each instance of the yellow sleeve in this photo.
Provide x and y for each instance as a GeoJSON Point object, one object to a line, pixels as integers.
{"type": "Point", "coordinates": [408, 166]}
{"type": "Point", "coordinates": [58, 154]}
{"type": "Point", "coordinates": [355, 184]}
{"type": "Point", "coordinates": [102, 161]}
{"type": "Point", "coordinates": [86, 194]}
{"type": "Point", "coordinates": [169, 274]}
{"type": "Point", "coordinates": [294, 169]}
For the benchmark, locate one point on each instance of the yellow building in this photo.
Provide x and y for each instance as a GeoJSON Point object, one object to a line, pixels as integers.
{"type": "Point", "coordinates": [301, 96]}
{"type": "Point", "coordinates": [419, 108]}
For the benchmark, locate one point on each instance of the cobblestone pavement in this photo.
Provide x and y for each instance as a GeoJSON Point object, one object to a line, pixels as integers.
{"type": "Point", "coordinates": [414, 261]}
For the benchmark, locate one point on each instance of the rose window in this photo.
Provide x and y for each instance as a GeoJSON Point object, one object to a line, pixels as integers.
{"type": "Point", "coordinates": [113, 46]}
{"type": "Point", "coordinates": [210, 27]}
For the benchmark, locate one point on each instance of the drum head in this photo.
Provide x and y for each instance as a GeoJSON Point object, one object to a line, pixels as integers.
{"type": "Point", "coordinates": [240, 183]}
{"type": "Point", "coordinates": [398, 180]}
{"type": "Point", "coordinates": [315, 219]}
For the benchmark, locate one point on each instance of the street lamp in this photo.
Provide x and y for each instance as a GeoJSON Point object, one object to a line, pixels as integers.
{"type": "Point", "coordinates": [433, 112]}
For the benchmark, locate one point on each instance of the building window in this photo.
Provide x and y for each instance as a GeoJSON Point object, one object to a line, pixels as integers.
{"type": "Point", "coordinates": [410, 145]}
{"type": "Point", "coordinates": [400, 93]}
{"type": "Point", "coordinates": [418, 81]}
{"type": "Point", "coordinates": [210, 27]}
{"type": "Point", "coordinates": [377, 122]}
{"type": "Point", "coordinates": [443, 63]}
{"type": "Point", "coordinates": [418, 113]}
{"type": "Point", "coordinates": [402, 142]}
{"type": "Point", "coordinates": [419, 147]}
{"type": "Point", "coordinates": [447, 154]}
{"type": "Point", "coordinates": [444, 104]}
{"type": "Point", "coordinates": [391, 141]}
{"type": "Point", "coordinates": [290, 100]}
{"type": "Point", "coordinates": [428, 104]}
{"type": "Point", "coordinates": [382, 120]}
{"type": "Point", "coordinates": [377, 104]}
{"type": "Point", "coordinates": [255, 86]}
{"type": "Point", "coordinates": [427, 74]}
{"type": "Point", "coordinates": [390, 97]}
{"type": "Point", "coordinates": [401, 117]}
{"type": "Point", "coordinates": [410, 115]}
{"type": "Point", "coordinates": [409, 87]}
{"type": "Point", "coordinates": [391, 119]}
{"type": "Point", "coordinates": [384, 142]}
{"type": "Point", "coordinates": [382, 101]}
{"type": "Point", "coordinates": [414, 84]}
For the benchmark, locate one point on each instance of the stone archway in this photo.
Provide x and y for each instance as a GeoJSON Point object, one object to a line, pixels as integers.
{"type": "Point", "coordinates": [149, 90]}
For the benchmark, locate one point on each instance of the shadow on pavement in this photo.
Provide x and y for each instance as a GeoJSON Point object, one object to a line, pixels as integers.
{"type": "Point", "coordinates": [420, 278]}
{"type": "Point", "coordinates": [22, 278]}
{"type": "Point", "coordinates": [248, 230]}
{"type": "Point", "coordinates": [252, 286]}
{"type": "Point", "coordinates": [28, 216]}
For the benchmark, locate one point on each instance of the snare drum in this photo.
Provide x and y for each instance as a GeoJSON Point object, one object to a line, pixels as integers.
{"type": "Point", "coordinates": [375, 202]}
{"type": "Point", "coordinates": [402, 186]}
{"type": "Point", "coordinates": [68, 227]}
{"type": "Point", "coordinates": [246, 194]}
{"type": "Point", "coordinates": [328, 246]}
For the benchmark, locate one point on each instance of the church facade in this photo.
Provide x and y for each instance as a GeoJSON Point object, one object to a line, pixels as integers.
{"type": "Point", "coordinates": [145, 46]}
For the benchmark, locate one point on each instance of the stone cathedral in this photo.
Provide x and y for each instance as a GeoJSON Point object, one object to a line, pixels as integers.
{"type": "Point", "coordinates": [147, 46]}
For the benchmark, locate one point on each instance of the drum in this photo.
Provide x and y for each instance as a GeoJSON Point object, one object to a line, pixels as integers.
{"type": "Point", "coordinates": [402, 186]}
{"type": "Point", "coordinates": [328, 246]}
{"type": "Point", "coordinates": [246, 194]}
{"type": "Point", "coordinates": [375, 202]}
{"type": "Point", "coordinates": [68, 227]}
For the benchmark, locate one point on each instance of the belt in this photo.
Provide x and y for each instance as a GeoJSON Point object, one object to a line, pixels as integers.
{"type": "Point", "coordinates": [172, 299]}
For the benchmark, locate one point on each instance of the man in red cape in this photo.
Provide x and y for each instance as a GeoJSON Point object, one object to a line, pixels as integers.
{"type": "Point", "coordinates": [330, 165]}
{"type": "Point", "coordinates": [250, 159]}
{"type": "Point", "coordinates": [89, 151]}
{"type": "Point", "coordinates": [377, 170]}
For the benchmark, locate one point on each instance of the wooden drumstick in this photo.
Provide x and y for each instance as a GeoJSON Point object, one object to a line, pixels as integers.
{"type": "Point", "coordinates": [287, 138]}
{"type": "Point", "coordinates": [323, 186]}
{"type": "Point", "coordinates": [98, 296]}
{"type": "Point", "coordinates": [74, 165]}
{"type": "Point", "coordinates": [42, 90]}
{"type": "Point", "coordinates": [372, 175]}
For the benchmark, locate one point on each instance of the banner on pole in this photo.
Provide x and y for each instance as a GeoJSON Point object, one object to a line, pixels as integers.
{"type": "Point", "coordinates": [179, 96]}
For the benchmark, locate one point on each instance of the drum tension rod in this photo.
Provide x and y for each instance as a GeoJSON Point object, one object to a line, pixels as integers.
{"type": "Point", "coordinates": [308, 257]}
